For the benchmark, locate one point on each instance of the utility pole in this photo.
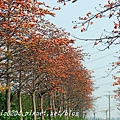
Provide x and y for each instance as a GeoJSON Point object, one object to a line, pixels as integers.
{"type": "Point", "coordinates": [105, 111]}
{"type": "Point", "coordinates": [109, 105]}
{"type": "Point", "coordinates": [94, 115]}
{"type": "Point", "coordinates": [106, 114]}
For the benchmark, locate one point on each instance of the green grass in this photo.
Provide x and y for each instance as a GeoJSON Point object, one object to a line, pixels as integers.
{"type": "Point", "coordinates": [38, 118]}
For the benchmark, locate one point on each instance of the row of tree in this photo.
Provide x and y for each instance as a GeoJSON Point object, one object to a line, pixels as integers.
{"type": "Point", "coordinates": [38, 60]}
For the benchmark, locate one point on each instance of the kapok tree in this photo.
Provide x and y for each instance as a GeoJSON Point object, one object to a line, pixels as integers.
{"type": "Point", "coordinates": [23, 30]}
{"type": "Point", "coordinates": [43, 54]}
{"type": "Point", "coordinates": [22, 22]}
{"type": "Point", "coordinates": [82, 91]}
{"type": "Point", "coordinates": [73, 80]}
{"type": "Point", "coordinates": [37, 56]}
{"type": "Point", "coordinates": [56, 61]}
{"type": "Point", "coordinates": [17, 19]}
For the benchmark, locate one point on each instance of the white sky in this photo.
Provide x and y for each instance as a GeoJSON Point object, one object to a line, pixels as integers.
{"type": "Point", "coordinates": [99, 61]}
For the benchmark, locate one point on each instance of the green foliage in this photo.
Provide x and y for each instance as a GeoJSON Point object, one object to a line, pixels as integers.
{"type": "Point", "coordinates": [26, 102]}
{"type": "Point", "coordinates": [38, 118]}
{"type": "Point", "coordinates": [2, 101]}
{"type": "Point", "coordinates": [27, 106]}
{"type": "Point", "coordinates": [65, 118]}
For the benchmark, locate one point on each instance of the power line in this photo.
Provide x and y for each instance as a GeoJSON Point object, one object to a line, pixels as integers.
{"type": "Point", "coordinates": [104, 77]}
{"type": "Point", "coordinates": [91, 43]}
{"type": "Point", "coordinates": [100, 58]}
{"type": "Point", "coordinates": [104, 108]}
{"type": "Point", "coordinates": [99, 51]}
{"type": "Point", "coordinates": [87, 44]}
{"type": "Point", "coordinates": [105, 84]}
{"type": "Point", "coordinates": [101, 67]}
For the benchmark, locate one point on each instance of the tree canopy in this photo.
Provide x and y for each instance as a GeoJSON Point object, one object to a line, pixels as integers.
{"type": "Point", "coordinates": [38, 60]}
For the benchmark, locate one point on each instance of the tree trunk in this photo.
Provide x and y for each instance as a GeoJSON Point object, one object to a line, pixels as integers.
{"type": "Point", "coordinates": [66, 106]}
{"type": "Point", "coordinates": [20, 95]}
{"type": "Point", "coordinates": [34, 106]}
{"type": "Point", "coordinates": [8, 91]}
{"type": "Point", "coordinates": [20, 104]}
{"type": "Point", "coordinates": [41, 106]}
{"type": "Point", "coordinates": [8, 109]}
{"type": "Point", "coordinates": [50, 106]}
{"type": "Point", "coordinates": [53, 104]}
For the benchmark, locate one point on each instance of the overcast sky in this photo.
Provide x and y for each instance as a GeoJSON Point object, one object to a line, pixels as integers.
{"type": "Point", "coordinates": [100, 61]}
